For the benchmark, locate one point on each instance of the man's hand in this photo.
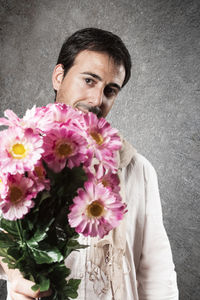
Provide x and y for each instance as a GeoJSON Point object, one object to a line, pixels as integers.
{"type": "Point", "coordinates": [20, 288]}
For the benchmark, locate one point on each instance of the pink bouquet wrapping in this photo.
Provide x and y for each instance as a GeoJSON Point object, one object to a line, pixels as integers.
{"type": "Point", "coordinates": [58, 179]}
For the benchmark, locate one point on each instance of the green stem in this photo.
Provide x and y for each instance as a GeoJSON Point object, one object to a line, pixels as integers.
{"type": "Point", "coordinates": [20, 231]}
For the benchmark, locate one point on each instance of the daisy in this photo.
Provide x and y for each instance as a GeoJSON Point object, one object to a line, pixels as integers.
{"type": "Point", "coordinates": [12, 119]}
{"type": "Point", "coordinates": [110, 181]}
{"type": "Point", "coordinates": [62, 146]}
{"type": "Point", "coordinates": [20, 150]}
{"type": "Point", "coordinates": [62, 113]}
{"type": "Point", "coordinates": [103, 140]}
{"type": "Point", "coordinates": [95, 210]}
{"type": "Point", "coordinates": [18, 200]}
{"type": "Point", "coordinates": [33, 119]}
{"type": "Point", "coordinates": [38, 175]}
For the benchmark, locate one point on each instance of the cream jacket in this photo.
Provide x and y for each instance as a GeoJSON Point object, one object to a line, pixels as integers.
{"type": "Point", "coordinates": [148, 269]}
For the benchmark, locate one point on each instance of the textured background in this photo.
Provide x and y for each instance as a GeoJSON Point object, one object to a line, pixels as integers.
{"type": "Point", "coordinates": [159, 109]}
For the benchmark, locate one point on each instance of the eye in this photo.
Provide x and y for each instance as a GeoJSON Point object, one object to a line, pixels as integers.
{"type": "Point", "coordinates": [109, 91]}
{"type": "Point", "coordinates": [89, 81]}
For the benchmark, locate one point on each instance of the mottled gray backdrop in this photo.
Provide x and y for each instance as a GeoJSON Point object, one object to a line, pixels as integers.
{"type": "Point", "coordinates": [159, 109]}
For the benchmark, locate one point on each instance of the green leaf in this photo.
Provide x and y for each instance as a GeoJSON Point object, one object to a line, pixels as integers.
{"type": "Point", "coordinates": [10, 227]}
{"type": "Point", "coordinates": [73, 245]}
{"type": "Point", "coordinates": [15, 252]}
{"type": "Point", "coordinates": [44, 195]}
{"type": "Point", "coordinates": [40, 234]}
{"type": "Point", "coordinates": [59, 272]}
{"type": "Point", "coordinates": [11, 265]}
{"type": "Point", "coordinates": [74, 283]}
{"type": "Point", "coordinates": [72, 287]}
{"type": "Point", "coordinates": [3, 252]}
{"type": "Point", "coordinates": [5, 240]}
{"type": "Point", "coordinates": [43, 284]}
{"type": "Point", "coordinates": [46, 256]}
{"type": "Point", "coordinates": [30, 225]}
{"type": "Point", "coordinates": [35, 287]}
{"type": "Point", "coordinates": [38, 237]}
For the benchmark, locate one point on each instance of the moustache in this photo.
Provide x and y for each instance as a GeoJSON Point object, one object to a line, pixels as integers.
{"type": "Point", "coordinates": [86, 108]}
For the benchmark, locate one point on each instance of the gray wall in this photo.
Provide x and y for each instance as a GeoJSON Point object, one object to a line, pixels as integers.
{"type": "Point", "coordinates": [159, 109]}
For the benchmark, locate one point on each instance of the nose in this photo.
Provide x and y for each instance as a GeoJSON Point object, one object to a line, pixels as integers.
{"type": "Point", "coordinates": [96, 97]}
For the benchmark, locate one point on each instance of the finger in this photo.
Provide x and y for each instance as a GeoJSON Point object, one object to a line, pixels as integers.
{"type": "Point", "coordinates": [23, 286]}
{"type": "Point", "coordinates": [16, 296]}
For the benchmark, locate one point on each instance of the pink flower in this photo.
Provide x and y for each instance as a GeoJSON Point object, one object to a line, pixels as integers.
{"type": "Point", "coordinates": [108, 179]}
{"type": "Point", "coordinates": [33, 119]}
{"type": "Point", "coordinates": [95, 210]}
{"type": "Point", "coordinates": [37, 118]}
{"type": "Point", "coordinates": [3, 185]}
{"type": "Point", "coordinates": [62, 146]}
{"type": "Point", "coordinates": [38, 175]}
{"type": "Point", "coordinates": [12, 119]}
{"type": "Point", "coordinates": [99, 174]}
{"type": "Point", "coordinates": [103, 140]}
{"type": "Point", "coordinates": [18, 200]}
{"type": "Point", "coordinates": [20, 150]}
{"type": "Point", "coordinates": [62, 113]}
{"type": "Point", "coordinates": [46, 118]}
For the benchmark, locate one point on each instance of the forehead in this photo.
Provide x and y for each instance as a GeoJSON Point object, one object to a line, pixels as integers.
{"type": "Point", "coordinates": [101, 64]}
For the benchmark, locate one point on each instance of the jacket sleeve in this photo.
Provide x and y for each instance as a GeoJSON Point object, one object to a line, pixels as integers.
{"type": "Point", "coordinates": [156, 275]}
{"type": "Point", "coordinates": [2, 274]}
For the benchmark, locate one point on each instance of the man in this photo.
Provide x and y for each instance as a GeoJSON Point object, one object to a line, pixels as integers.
{"type": "Point", "coordinates": [134, 261]}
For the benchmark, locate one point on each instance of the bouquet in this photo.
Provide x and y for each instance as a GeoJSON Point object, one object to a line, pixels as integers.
{"type": "Point", "coordinates": [58, 179]}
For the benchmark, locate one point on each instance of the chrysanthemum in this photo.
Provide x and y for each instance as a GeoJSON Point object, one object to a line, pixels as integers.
{"type": "Point", "coordinates": [62, 113]}
{"type": "Point", "coordinates": [106, 177]}
{"type": "Point", "coordinates": [38, 175]}
{"type": "Point", "coordinates": [18, 200]}
{"type": "Point", "coordinates": [103, 140]}
{"type": "Point", "coordinates": [110, 181]}
{"type": "Point", "coordinates": [37, 118]}
{"type": "Point", "coordinates": [63, 145]}
{"type": "Point", "coordinates": [53, 115]}
{"type": "Point", "coordinates": [33, 119]}
{"type": "Point", "coordinates": [20, 150]}
{"type": "Point", "coordinates": [95, 210]}
{"type": "Point", "coordinates": [12, 119]}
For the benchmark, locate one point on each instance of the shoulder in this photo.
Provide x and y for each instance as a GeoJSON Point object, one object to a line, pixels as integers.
{"type": "Point", "coordinates": [142, 165]}
{"type": "Point", "coordinates": [135, 164]}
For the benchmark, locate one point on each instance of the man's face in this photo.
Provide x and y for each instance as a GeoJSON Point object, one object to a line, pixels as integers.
{"type": "Point", "coordinates": [92, 82]}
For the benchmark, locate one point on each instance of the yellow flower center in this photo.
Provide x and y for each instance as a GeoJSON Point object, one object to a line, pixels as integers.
{"type": "Point", "coordinates": [18, 151]}
{"type": "Point", "coordinates": [64, 150]}
{"type": "Point", "coordinates": [15, 194]}
{"type": "Point", "coordinates": [97, 137]}
{"type": "Point", "coordinates": [95, 209]}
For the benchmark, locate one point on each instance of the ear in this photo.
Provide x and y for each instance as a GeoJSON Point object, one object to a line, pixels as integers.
{"type": "Point", "coordinates": [57, 76]}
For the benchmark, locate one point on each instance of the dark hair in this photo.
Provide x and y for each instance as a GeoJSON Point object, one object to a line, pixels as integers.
{"type": "Point", "coordinates": [95, 39]}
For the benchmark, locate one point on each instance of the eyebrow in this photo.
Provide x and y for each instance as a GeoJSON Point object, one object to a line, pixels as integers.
{"type": "Point", "coordinates": [100, 79]}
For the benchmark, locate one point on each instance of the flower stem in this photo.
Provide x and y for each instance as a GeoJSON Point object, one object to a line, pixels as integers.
{"type": "Point", "coordinates": [19, 229]}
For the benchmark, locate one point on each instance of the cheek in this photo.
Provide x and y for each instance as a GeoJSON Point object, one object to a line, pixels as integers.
{"type": "Point", "coordinates": [107, 107]}
{"type": "Point", "coordinates": [76, 89]}
{"type": "Point", "coordinates": [70, 93]}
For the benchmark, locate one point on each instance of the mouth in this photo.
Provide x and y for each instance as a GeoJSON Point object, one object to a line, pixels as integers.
{"type": "Point", "coordinates": [85, 109]}
{"type": "Point", "coordinates": [82, 107]}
